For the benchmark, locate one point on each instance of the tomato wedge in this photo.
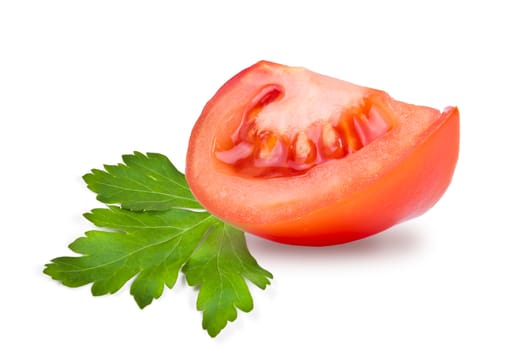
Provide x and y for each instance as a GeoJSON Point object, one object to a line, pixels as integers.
{"type": "Point", "coordinates": [302, 158]}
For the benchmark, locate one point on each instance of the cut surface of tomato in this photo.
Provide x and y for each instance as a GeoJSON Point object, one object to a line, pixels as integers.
{"type": "Point", "coordinates": [302, 158]}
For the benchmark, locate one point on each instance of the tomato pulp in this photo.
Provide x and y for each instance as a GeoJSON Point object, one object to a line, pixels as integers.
{"type": "Point", "coordinates": [302, 158]}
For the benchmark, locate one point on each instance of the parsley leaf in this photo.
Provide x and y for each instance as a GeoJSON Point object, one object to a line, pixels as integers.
{"type": "Point", "coordinates": [158, 230]}
{"type": "Point", "coordinates": [219, 267]}
{"type": "Point", "coordinates": [151, 245]}
{"type": "Point", "coordinates": [143, 182]}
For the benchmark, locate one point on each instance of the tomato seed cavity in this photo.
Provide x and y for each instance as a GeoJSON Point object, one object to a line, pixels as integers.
{"type": "Point", "coordinates": [265, 153]}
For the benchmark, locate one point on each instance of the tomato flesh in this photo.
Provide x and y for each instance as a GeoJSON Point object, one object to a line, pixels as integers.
{"type": "Point", "coordinates": [302, 158]}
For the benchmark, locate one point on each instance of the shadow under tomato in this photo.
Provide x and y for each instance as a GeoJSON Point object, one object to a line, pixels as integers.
{"type": "Point", "coordinates": [400, 240]}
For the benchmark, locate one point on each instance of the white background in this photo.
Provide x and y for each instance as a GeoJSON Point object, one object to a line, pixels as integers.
{"type": "Point", "coordinates": [82, 82]}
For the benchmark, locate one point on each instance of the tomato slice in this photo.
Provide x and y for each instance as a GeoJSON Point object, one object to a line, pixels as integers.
{"type": "Point", "coordinates": [302, 158]}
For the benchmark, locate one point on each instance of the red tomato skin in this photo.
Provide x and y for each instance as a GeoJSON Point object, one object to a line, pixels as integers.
{"type": "Point", "coordinates": [307, 209]}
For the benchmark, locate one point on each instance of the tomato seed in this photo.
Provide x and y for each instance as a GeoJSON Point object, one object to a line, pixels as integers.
{"type": "Point", "coordinates": [331, 142]}
{"type": "Point", "coordinates": [271, 151]}
{"type": "Point", "coordinates": [304, 150]}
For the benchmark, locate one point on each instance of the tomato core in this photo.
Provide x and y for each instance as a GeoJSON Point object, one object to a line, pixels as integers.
{"type": "Point", "coordinates": [258, 151]}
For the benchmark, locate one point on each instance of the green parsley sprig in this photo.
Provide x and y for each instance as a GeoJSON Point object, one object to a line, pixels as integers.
{"type": "Point", "coordinates": [153, 228]}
